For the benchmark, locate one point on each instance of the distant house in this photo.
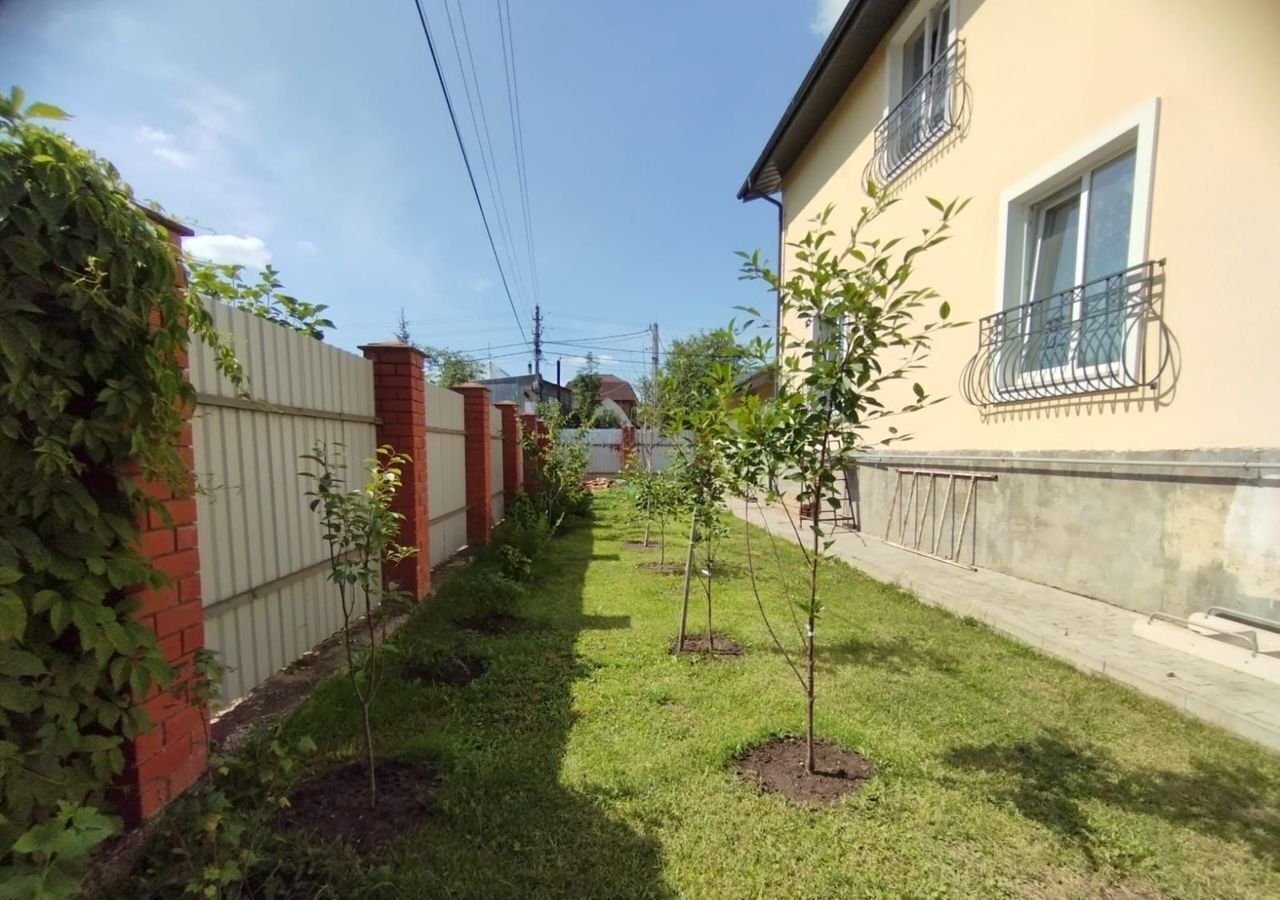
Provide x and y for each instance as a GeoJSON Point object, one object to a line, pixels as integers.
{"type": "Point", "coordinates": [614, 389]}
{"type": "Point", "coordinates": [526, 391]}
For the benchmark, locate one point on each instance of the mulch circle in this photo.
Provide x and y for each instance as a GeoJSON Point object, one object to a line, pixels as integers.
{"type": "Point", "coordinates": [334, 805]}
{"type": "Point", "coordinates": [722, 645]}
{"type": "Point", "coordinates": [640, 545]}
{"type": "Point", "coordinates": [661, 568]}
{"type": "Point", "coordinates": [456, 672]}
{"type": "Point", "coordinates": [778, 767]}
{"type": "Point", "coordinates": [492, 623]}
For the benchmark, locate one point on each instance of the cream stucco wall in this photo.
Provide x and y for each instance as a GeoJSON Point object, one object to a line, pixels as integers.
{"type": "Point", "coordinates": [1045, 76]}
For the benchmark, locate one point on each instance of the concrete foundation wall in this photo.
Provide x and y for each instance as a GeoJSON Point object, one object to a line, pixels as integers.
{"type": "Point", "coordinates": [1171, 538]}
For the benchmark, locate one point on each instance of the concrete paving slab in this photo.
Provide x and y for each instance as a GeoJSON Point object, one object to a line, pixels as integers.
{"type": "Point", "coordinates": [1093, 636]}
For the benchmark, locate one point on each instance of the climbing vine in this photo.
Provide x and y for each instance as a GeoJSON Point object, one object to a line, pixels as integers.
{"type": "Point", "coordinates": [93, 333]}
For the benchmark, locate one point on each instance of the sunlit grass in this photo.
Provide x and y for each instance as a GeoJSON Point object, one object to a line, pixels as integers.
{"type": "Point", "coordinates": [589, 763]}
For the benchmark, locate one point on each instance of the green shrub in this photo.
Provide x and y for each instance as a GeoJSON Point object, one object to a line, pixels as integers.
{"type": "Point", "coordinates": [483, 586]}
{"type": "Point", "coordinates": [218, 840]}
{"type": "Point", "coordinates": [515, 564]}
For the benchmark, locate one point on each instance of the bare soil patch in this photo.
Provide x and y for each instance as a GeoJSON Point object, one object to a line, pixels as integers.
{"type": "Point", "coordinates": [641, 545]}
{"type": "Point", "coordinates": [661, 568]}
{"type": "Point", "coordinates": [778, 767]}
{"type": "Point", "coordinates": [456, 672]}
{"type": "Point", "coordinates": [492, 623]}
{"type": "Point", "coordinates": [721, 645]}
{"type": "Point", "coordinates": [334, 805]}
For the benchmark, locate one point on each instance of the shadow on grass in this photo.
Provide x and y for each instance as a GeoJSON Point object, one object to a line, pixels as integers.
{"type": "Point", "coordinates": [506, 825]}
{"type": "Point", "coordinates": [1052, 779]}
{"type": "Point", "coordinates": [898, 654]}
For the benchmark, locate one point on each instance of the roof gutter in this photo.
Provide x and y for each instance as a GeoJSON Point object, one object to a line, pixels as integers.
{"type": "Point", "coordinates": [857, 33]}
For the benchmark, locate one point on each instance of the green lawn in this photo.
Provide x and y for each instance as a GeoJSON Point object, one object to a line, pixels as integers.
{"type": "Point", "coordinates": [587, 762]}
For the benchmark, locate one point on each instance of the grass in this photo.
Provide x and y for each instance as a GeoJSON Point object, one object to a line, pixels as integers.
{"type": "Point", "coordinates": [588, 762]}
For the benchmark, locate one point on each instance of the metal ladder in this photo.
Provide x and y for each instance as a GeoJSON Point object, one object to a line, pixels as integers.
{"type": "Point", "coordinates": [917, 506]}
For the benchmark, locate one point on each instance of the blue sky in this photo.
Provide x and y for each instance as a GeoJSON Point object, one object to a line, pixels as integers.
{"type": "Point", "coordinates": [313, 134]}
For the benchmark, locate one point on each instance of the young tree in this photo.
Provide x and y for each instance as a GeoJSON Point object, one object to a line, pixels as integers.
{"type": "Point", "coordinates": [854, 312]}
{"type": "Point", "coordinates": [360, 530]}
{"type": "Point", "coordinates": [702, 477]}
{"type": "Point", "coordinates": [560, 468]}
{"type": "Point", "coordinates": [686, 382]}
{"type": "Point", "coordinates": [444, 367]}
{"type": "Point", "coordinates": [263, 298]}
{"type": "Point", "coordinates": [586, 393]}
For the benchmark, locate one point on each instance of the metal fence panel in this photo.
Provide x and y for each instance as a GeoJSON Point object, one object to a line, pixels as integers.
{"type": "Point", "coordinates": [446, 472]}
{"type": "Point", "coordinates": [497, 502]}
{"type": "Point", "coordinates": [263, 564]}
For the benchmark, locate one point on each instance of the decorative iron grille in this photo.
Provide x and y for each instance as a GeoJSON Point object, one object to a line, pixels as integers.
{"type": "Point", "coordinates": [1103, 335]}
{"type": "Point", "coordinates": [927, 111]}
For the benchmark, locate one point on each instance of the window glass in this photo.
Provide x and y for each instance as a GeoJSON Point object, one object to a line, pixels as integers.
{"type": "Point", "coordinates": [1056, 253]}
{"type": "Point", "coordinates": [1110, 213]}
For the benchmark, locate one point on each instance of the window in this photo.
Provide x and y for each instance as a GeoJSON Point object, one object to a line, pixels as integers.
{"type": "Point", "coordinates": [1075, 288]}
{"type": "Point", "coordinates": [1081, 239]}
{"type": "Point", "coordinates": [923, 75]}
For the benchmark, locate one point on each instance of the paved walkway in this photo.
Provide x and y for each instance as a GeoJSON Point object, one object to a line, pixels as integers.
{"type": "Point", "coordinates": [1091, 635]}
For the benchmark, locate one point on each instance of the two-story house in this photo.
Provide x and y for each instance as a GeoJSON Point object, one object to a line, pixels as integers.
{"type": "Point", "coordinates": [1113, 424]}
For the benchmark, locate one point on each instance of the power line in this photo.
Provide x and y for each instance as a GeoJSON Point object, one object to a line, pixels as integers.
{"type": "Point", "coordinates": [499, 196]}
{"type": "Point", "coordinates": [457, 133]}
{"type": "Point", "coordinates": [517, 133]}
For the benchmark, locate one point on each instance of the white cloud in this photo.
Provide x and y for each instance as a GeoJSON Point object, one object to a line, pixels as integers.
{"type": "Point", "coordinates": [307, 247]}
{"type": "Point", "coordinates": [245, 250]}
{"type": "Point", "coordinates": [164, 146]}
{"type": "Point", "coordinates": [825, 16]}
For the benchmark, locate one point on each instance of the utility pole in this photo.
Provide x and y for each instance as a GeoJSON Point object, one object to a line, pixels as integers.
{"type": "Point", "coordinates": [537, 348]}
{"type": "Point", "coordinates": [653, 334]}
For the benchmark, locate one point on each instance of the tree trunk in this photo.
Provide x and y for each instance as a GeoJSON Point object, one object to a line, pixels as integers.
{"type": "Point", "coordinates": [662, 543]}
{"type": "Point", "coordinates": [688, 572]}
{"type": "Point", "coordinates": [711, 640]}
{"type": "Point", "coordinates": [646, 534]}
{"type": "Point", "coordinates": [368, 750]}
{"type": "Point", "coordinates": [810, 764]}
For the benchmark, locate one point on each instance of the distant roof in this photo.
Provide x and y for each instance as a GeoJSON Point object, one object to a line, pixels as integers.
{"type": "Point", "coordinates": [857, 33]}
{"type": "Point", "coordinates": [614, 388]}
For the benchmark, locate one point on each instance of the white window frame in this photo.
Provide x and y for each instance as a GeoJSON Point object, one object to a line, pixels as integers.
{"type": "Point", "coordinates": [911, 20]}
{"type": "Point", "coordinates": [1019, 224]}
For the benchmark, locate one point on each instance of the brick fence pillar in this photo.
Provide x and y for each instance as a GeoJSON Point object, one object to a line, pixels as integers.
{"type": "Point", "coordinates": [166, 760]}
{"type": "Point", "coordinates": [475, 419]}
{"type": "Point", "coordinates": [628, 448]}
{"type": "Point", "coordinates": [531, 425]}
{"type": "Point", "coordinates": [399, 402]}
{"type": "Point", "coordinates": [512, 477]}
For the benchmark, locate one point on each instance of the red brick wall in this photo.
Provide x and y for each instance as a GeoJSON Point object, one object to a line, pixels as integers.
{"type": "Point", "coordinates": [531, 424]}
{"type": "Point", "coordinates": [628, 448]}
{"type": "Point", "coordinates": [512, 476]}
{"type": "Point", "coordinates": [475, 419]}
{"type": "Point", "coordinates": [165, 761]}
{"type": "Point", "coordinates": [400, 405]}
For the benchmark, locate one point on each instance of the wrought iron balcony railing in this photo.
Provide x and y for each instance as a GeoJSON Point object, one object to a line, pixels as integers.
{"type": "Point", "coordinates": [927, 111]}
{"type": "Point", "coordinates": [1103, 335]}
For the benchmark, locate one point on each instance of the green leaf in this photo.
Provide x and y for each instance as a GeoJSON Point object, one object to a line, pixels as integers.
{"type": "Point", "coordinates": [45, 111]}
{"type": "Point", "coordinates": [9, 574]}
{"type": "Point", "coordinates": [944, 310]}
{"type": "Point", "coordinates": [13, 616]}
{"type": "Point", "coordinates": [20, 663]}
{"type": "Point", "coordinates": [26, 254]}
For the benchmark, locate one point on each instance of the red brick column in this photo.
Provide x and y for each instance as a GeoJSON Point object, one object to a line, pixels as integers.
{"type": "Point", "coordinates": [173, 754]}
{"type": "Point", "coordinates": [628, 448]}
{"type": "Point", "coordinates": [400, 405]}
{"type": "Point", "coordinates": [511, 456]}
{"type": "Point", "coordinates": [475, 422]}
{"type": "Point", "coordinates": [531, 424]}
